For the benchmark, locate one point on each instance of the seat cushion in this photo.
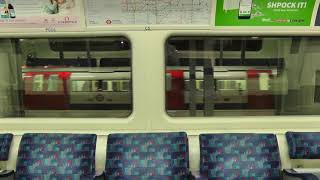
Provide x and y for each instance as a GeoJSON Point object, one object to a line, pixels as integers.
{"type": "Point", "coordinates": [303, 145]}
{"type": "Point", "coordinates": [147, 155]}
{"type": "Point", "coordinates": [239, 156]}
{"type": "Point", "coordinates": [5, 144]}
{"type": "Point", "coordinates": [47, 156]}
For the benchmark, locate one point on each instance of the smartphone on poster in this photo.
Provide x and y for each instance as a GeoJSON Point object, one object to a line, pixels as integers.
{"type": "Point", "coordinates": [245, 8]}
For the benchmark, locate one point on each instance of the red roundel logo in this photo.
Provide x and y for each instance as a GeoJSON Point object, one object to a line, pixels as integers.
{"type": "Point", "coordinates": [108, 21]}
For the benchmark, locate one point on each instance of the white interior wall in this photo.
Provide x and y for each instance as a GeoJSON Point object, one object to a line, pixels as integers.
{"type": "Point", "coordinates": [4, 84]}
{"type": "Point", "coordinates": [5, 78]}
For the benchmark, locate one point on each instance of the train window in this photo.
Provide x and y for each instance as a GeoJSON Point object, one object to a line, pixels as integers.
{"type": "Point", "coordinates": [54, 83]}
{"type": "Point", "coordinates": [82, 86]}
{"type": "Point", "coordinates": [78, 77]}
{"type": "Point", "coordinates": [37, 83]}
{"type": "Point", "coordinates": [125, 86]}
{"type": "Point", "coordinates": [242, 76]}
{"type": "Point", "coordinates": [105, 86]}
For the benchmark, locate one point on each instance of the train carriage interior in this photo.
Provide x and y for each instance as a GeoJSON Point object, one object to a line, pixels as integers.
{"type": "Point", "coordinates": [235, 91]}
{"type": "Point", "coordinates": [159, 101]}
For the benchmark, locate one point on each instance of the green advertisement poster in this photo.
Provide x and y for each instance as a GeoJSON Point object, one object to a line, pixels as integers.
{"type": "Point", "coordinates": [264, 12]}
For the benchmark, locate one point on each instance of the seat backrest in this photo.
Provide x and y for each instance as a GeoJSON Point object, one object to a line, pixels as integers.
{"type": "Point", "coordinates": [239, 156]}
{"type": "Point", "coordinates": [303, 145]}
{"type": "Point", "coordinates": [147, 155]}
{"type": "Point", "coordinates": [5, 144]}
{"type": "Point", "coordinates": [56, 156]}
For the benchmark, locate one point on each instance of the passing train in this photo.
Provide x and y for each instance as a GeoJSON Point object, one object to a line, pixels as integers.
{"type": "Point", "coordinates": [230, 89]}
{"type": "Point", "coordinates": [112, 87]}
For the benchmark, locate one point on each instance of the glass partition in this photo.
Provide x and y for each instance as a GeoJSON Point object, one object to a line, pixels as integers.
{"type": "Point", "coordinates": [242, 76]}
{"type": "Point", "coordinates": [78, 77]}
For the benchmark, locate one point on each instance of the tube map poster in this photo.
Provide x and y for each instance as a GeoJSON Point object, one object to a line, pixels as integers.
{"type": "Point", "coordinates": [264, 12]}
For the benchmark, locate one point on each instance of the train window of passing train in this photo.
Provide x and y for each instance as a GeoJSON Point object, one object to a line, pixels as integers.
{"type": "Point", "coordinates": [242, 76]}
{"type": "Point", "coordinates": [78, 77]}
{"type": "Point", "coordinates": [37, 83]}
{"type": "Point", "coordinates": [54, 82]}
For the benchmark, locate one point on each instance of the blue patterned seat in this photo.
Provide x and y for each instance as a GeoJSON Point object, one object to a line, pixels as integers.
{"type": "Point", "coordinates": [153, 156]}
{"type": "Point", "coordinates": [239, 156]}
{"type": "Point", "coordinates": [5, 143]}
{"type": "Point", "coordinates": [303, 145]}
{"type": "Point", "coordinates": [56, 156]}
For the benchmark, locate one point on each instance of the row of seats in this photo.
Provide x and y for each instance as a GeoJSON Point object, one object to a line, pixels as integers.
{"type": "Point", "coordinates": [156, 155]}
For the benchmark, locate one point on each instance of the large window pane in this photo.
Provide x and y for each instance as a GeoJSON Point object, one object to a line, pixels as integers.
{"type": "Point", "coordinates": [242, 76]}
{"type": "Point", "coordinates": [78, 77]}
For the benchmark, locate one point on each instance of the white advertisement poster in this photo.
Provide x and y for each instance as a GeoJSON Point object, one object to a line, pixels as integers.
{"type": "Point", "coordinates": [39, 13]}
{"type": "Point", "coordinates": [145, 12]}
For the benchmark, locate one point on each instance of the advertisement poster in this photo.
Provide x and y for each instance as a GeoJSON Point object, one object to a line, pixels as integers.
{"type": "Point", "coordinates": [264, 12]}
{"type": "Point", "coordinates": [39, 13]}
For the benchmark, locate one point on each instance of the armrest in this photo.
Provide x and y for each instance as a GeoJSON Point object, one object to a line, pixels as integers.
{"type": "Point", "coordinates": [6, 174]}
{"type": "Point", "coordinates": [100, 176]}
{"type": "Point", "coordinates": [191, 176]}
{"type": "Point", "coordinates": [290, 173]}
{"type": "Point", "coordinates": [195, 175]}
{"type": "Point", "coordinates": [92, 177]}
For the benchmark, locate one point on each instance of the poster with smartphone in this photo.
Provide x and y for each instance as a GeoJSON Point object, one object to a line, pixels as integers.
{"type": "Point", "coordinates": [264, 12]}
{"type": "Point", "coordinates": [40, 13]}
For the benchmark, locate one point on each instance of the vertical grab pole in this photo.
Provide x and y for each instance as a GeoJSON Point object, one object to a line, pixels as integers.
{"type": "Point", "coordinates": [192, 81]}
{"type": "Point", "coordinates": [243, 51]}
{"type": "Point", "coordinates": [208, 78]}
{"type": "Point", "coordinates": [88, 52]}
{"type": "Point", "coordinates": [221, 53]}
{"type": "Point", "coordinates": [192, 89]}
{"type": "Point", "coordinates": [61, 54]}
